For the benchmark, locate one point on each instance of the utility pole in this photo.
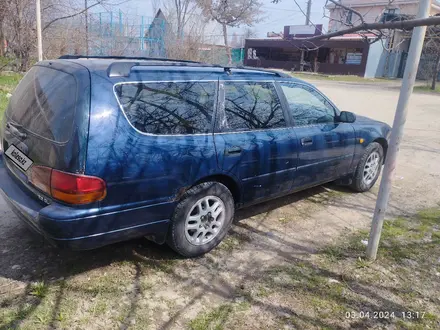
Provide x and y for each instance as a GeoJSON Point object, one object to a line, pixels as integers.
{"type": "Point", "coordinates": [412, 64]}
{"type": "Point", "coordinates": [309, 9]}
{"type": "Point", "coordinates": [87, 26]}
{"type": "Point", "coordinates": [39, 37]}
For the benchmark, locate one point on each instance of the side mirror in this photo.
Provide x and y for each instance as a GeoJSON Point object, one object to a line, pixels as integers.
{"type": "Point", "coordinates": [347, 117]}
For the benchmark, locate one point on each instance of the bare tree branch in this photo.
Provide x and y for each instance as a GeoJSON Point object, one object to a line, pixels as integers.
{"type": "Point", "coordinates": [70, 16]}
{"type": "Point", "coordinates": [338, 4]}
{"type": "Point", "coordinates": [399, 25]}
{"type": "Point", "coordinates": [99, 2]}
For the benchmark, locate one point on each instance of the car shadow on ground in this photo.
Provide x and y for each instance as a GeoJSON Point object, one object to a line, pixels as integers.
{"type": "Point", "coordinates": [26, 257]}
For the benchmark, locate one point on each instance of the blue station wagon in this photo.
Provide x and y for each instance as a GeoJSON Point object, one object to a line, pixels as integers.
{"type": "Point", "coordinates": [101, 150]}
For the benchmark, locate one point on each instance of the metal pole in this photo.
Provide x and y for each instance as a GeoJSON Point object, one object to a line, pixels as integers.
{"type": "Point", "coordinates": [309, 9]}
{"type": "Point", "coordinates": [39, 37]}
{"type": "Point", "coordinates": [301, 61]}
{"type": "Point", "coordinates": [406, 90]}
{"type": "Point", "coordinates": [87, 27]}
{"type": "Point", "coordinates": [120, 21]}
{"type": "Point", "coordinates": [142, 33]}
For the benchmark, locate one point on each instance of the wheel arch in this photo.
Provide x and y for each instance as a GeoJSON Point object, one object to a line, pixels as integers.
{"type": "Point", "coordinates": [226, 180]}
{"type": "Point", "coordinates": [384, 143]}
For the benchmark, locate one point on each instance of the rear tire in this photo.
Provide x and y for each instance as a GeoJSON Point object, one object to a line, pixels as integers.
{"type": "Point", "coordinates": [368, 169]}
{"type": "Point", "coordinates": [201, 219]}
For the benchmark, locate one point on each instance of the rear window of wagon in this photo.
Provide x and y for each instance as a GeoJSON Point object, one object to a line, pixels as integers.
{"type": "Point", "coordinates": [44, 103]}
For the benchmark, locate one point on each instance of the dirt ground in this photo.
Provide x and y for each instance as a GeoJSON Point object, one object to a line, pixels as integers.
{"type": "Point", "coordinates": [141, 285]}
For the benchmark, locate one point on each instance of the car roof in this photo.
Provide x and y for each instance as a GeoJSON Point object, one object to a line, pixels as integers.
{"type": "Point", "coordinates": [127, 66]}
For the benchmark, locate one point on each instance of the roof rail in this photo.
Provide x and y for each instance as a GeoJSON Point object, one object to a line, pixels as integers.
{"type": "Point", "coordinates": [275, 72]}
{"type": "Point", "coordinates": [76, 57]}
{"type": "Point", "coordinates": [123, 69]}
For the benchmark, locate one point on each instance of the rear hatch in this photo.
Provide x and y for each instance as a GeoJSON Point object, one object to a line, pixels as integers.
{"type": "Point", "coordinates": [46, 121]}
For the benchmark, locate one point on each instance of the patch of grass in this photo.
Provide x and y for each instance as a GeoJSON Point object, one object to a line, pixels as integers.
{"type": "Point", "coordinates": [11, 315]}
{"type": "Point", "coordinates": [362, 263]}
{"type": "Point", "coordinates": [430, 216]}
{"type": "Point", "coordinates": [229, 243]}
{"type": "Point", "coordinates": [427, 89]}
{"type": "Point", "coordinates": [8, 81]}
{"type": "Point", "coordinates": [233, 240]}
{"type": "Point", "coordinates": [4, 100]}
{"type": "Point", "coordinates": [333, 252]}
{"type": "Point", "coordinates": [39, 289]}
{"type": "Point", "coordinates": [262, 292]}
{"type": "Point", "coordinates": [100, 308]}
{"type": "Point", "coordinates": [214, 319]}
{"type": "Point", "coordinates": [352, 246]}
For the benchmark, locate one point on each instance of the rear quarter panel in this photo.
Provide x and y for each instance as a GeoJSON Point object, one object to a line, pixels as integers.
{"type": "Point", "coordinates": [141, 169]}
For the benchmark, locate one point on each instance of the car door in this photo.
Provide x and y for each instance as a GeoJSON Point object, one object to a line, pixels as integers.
{"type": "Point", "coordinates": [325, 146]}
{"type": "Point", "coordinates": [252, 139]}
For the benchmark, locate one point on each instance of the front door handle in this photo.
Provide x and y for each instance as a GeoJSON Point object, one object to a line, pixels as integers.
{"type": "Point", "coordinates": [306, 141]}
{"type": "Point", "coordinates": [329, 138]}
{"type": "Point", "coordinates": [233, 150]}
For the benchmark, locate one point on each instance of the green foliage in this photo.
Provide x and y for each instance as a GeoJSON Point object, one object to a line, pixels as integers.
{"type": "Point", "coordinates": [427, 89]}
{"type": "Point", "coordinates": [39, 289]}
{"type": "Point", "coordinates": [8, 81]}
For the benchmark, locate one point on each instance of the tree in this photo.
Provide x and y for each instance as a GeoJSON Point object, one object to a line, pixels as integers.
{"type": "Point", "coordinates": [3, 6]}
{"type": "Point", "coordinates": [249, 33]}
{"type": "Point", "coordinates": [431, 51]}
{"type": "Point", "coordinates": [232, 13]}
{"type": "Point", "coordinates": [180, 12]}
{"type": "Point", "coordinates": [19, 30]}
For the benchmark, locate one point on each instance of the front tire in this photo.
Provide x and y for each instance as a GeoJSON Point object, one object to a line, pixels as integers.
{"type": "Point", "coordinates": [368, 169]}
{"type": "Point", "coordinates": [201, 219]}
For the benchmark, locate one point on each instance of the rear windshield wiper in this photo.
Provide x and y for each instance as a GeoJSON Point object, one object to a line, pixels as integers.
{"type": "Point", "coordinates": [14, 129]}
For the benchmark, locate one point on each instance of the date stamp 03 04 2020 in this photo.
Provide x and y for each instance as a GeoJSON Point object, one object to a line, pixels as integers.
{"type": "Point", "coordinates": [409, 315]}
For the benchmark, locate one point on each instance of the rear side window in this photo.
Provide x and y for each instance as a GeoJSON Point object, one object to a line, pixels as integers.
{"type": "Point", "coordinates": [168, 107]}
{"type": "Point", "coordinates": [252, 105]}
{"type": "Point", "coordinates": [44, 103]}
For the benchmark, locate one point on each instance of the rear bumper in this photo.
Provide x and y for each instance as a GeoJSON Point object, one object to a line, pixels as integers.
{"type": "Point", "coordinates": [79, 228]}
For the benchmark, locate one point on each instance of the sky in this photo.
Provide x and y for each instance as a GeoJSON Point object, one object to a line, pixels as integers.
{"type": "Point", "coordinates": [276, 16]}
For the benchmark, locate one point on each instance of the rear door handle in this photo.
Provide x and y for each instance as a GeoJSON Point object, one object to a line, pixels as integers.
{"type": "Point", "coordinates": [306, 141]}
{"type": "Point", "coordinates": [233, 150]}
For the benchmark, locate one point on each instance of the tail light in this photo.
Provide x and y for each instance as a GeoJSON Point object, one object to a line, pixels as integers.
{"type": "Point", "coordinates": [68, 187]}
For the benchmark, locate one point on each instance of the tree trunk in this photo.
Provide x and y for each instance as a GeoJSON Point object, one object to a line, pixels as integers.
{"type": "Point", "coordinates": [228, 50]}
{"type": "Point", "coordinates": [436, 72]}
{"type": "Point", "coordinates": [2, 37]}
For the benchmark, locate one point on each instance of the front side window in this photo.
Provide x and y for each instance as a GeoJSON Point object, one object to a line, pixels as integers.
{"type": "Point", "coordinates": [169, 107]}
{"type": "Point", "coordinates": [252, 105]}
{"type": "Point", "coordinates": [307, 106]}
